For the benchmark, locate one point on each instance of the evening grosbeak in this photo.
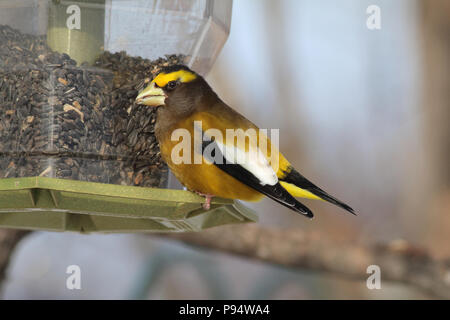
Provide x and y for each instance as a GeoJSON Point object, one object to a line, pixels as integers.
{"type": "Point", "coordinates": [211, 165]}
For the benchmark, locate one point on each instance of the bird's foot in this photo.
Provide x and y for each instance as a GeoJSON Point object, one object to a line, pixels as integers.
{"type": "Point", "coordinates": [208, 197]}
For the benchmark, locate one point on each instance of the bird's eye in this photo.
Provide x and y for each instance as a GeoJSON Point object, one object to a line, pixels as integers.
{"type": "Point", "coordinates": [172, 84]}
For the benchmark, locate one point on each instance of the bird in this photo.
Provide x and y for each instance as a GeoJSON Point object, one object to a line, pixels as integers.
{"type": "Point", "coordinates": [191, 127]}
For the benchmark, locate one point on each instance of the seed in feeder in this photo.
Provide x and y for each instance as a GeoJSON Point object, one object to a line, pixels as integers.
{"type": "Point", "coordinates": [69, 91]}
{"type": "Point", "coordinates": [63, 81]}
{"type": "Point", "coordinates": [46, 171]}
{"type": "Point", "coordinates": [52, 100]}
{"type": "Point", "coordinates": [138, 179]}
{"type": "Point", "coordinates": [68, 107]}
{"type": "Point", "coordinates": [78, 115]}
{"type": "Point", "coordinates": [77, 105]}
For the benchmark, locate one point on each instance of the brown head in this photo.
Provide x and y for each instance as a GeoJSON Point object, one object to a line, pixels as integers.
{"type": "Point", "coordinates": [178, 90]}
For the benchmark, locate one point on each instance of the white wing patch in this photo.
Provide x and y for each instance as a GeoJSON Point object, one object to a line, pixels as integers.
{"type": "Point", "coordinates": [253, 161]}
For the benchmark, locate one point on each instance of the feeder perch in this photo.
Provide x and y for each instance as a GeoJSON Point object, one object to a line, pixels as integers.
{"type": "Point", "coordinates": [66, 205]}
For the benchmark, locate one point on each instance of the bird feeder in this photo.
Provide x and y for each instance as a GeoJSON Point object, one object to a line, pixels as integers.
{"type": "Point", "coordinates": [76, 152]}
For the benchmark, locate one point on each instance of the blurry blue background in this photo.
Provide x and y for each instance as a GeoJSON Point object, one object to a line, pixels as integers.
{"type": "Point", "coordinates": [349, 103]}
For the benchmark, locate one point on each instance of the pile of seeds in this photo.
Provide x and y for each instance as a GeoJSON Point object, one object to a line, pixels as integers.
{"type": "Point", "coordinates": [61, 120]}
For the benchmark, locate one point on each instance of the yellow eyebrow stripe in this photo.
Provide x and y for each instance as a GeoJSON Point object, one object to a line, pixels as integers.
{"type": "Point", "coordinates": [182, 75]}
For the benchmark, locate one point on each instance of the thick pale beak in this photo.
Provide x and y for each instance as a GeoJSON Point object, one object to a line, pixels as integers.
{"type": "Point", "coordinates": [151, 96]}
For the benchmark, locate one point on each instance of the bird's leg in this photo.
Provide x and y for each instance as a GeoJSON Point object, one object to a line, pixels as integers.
{"type": "Point", "coordinates": [208, 197]}
{"type": "Point", "coordinates": [207, 204]}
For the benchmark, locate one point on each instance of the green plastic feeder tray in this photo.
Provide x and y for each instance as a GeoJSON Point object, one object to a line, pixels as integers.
{"type": "Point", "coordinates": [40, 203]}
{"type": "Point", "coordinates": [83, 30]}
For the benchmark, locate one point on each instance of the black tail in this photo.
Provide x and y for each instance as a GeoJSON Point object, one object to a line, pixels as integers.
{"type": "Point", "coordinates": [295, 178]}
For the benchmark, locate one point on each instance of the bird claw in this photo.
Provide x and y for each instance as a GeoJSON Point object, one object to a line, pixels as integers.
{"type": "Point", "coordinates": [208, 197]}
{"type": "Point", "coordinates": [206, 205]}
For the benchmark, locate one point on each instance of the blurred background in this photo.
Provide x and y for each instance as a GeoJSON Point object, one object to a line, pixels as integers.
{"type": "Point", "coordinates": [363, 113]}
